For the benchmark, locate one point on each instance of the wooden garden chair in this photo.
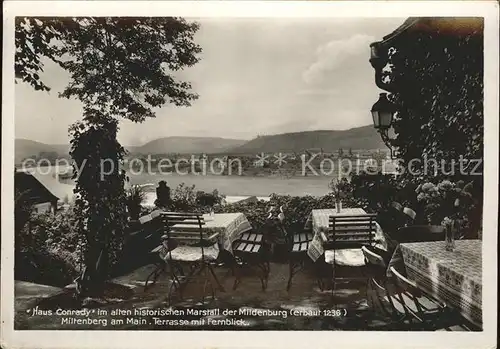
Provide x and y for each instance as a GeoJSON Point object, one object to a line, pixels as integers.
{"type": "Point", "coordinates": [406, 305]}
{"type": "Point", "coordinates": [377, 287]}
{"type": "Point", "coordinates": [186, 242]}
{"type": "Point", "coordinates": [297, 256]}
{"type": "Point", "coordinates": [422, 309]}
{"type": "Point", "coordinates": [250, 250]}
{"type": "Point", "coordinates": [348, 232]}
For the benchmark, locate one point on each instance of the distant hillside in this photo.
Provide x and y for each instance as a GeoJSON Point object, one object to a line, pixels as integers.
{"type": "Point", "coordinates": [187, 145]}
{"type": "Point", "coordinates": [25, 148]}
{"type": "Point", "coordinates": [356, 138]}
{"type": "Point", "coordinates": [365, 137]}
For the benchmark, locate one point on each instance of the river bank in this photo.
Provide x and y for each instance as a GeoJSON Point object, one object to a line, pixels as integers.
{"type": "Point", "coordinates": [233, 187]}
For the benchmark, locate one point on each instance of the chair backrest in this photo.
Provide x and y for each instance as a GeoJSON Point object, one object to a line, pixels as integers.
{"type": "Point", "coordinates": [373, 258]}
{"type": "Point", "coordinates": [408, 292]}
{"type": "Point", "coordinates": [397, 206]}
{"type": "Point", "coordinates": [419, 233]}
{"type": "Point", "coordinates": [149, 228]}
{"type": "Point", "coordinates": [382, 293]}
{"type": "Point", "coordinates": [405, 284]}
{"type": "Point", "coordinates": [410, 213]}
{"type": "Point", "coordinates": [184, 227]}
{"type": "Point", "coordinates": [375, 264]}
{"type": "Point", "coordinates": [352, 231]}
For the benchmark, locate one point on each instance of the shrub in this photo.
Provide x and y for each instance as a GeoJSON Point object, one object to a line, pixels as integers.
{"type": "Point", "coordinates": [341, 189]}
{"type": "Point", "coordinates": [185, 198]}
{"type": "Point", "coordinates": [256, 212]}
{"type": "Point", "coordinates": [375, 192]}
{"type": "Point", "coordinates": [44, 268]}
{"type": "Point", "coordinates": [297, 210]}
{"type": "Point", "coordinates": [205, 199]}
{"type": "Point", "coordinates": [22, 214]}
{"type": "Point", "coordinates": [446, 200]}
{"type": "Point", "coordinates": [49, 249]}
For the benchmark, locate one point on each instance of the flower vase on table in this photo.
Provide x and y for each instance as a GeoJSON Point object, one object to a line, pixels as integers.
{"type": "Point", "coordinates": [340, 189]}
{"type": "Point", "coordinates": [338, 206]}
{"type": "Point", "coordinates": [210, 215]}
{"type": "Point", "coordinates": [449, 237]}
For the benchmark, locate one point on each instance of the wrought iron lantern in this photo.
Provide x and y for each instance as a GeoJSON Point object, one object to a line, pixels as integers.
{"type": "Point", "coordinates": [383, 112]}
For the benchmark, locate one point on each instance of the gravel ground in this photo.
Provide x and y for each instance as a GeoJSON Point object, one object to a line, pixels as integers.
{"type": "Point", "coordinates": [304, 307]}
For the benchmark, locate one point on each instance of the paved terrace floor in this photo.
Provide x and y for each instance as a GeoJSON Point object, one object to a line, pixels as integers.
{"type": "Point", "coordinates": [304, 295]}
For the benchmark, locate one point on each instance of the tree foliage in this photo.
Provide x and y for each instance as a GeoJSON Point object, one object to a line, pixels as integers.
{"type": "Point", "coordinates": [119, 67]}
{"type": "Point", "coordinates": [124, 66]}
{"type": "Point", "coordinates": [34, 39]}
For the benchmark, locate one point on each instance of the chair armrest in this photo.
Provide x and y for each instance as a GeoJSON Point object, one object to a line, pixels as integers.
{"type": "Point", "coordinates": [157, 249]}
{"type": "Point", "coordinates": [214, 236]}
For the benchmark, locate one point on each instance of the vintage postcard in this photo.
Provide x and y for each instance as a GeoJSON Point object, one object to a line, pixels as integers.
{"type": "Point", "coordinates": [249, 174]}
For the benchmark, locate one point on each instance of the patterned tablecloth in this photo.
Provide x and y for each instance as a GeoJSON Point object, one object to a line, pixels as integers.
{"type": "Point", "coordinates": [230, 226]}
{"type": "Point", "coordinates": [452, 277]}
{"type": "Point", "coordinates": [318, 221]}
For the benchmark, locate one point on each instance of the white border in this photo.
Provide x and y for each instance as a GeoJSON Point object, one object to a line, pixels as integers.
{"type": "Point", "coordinates": [242, 339]}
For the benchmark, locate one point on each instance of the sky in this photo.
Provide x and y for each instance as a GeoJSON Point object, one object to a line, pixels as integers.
{"type": "Point", "coordinates": [255, 77]}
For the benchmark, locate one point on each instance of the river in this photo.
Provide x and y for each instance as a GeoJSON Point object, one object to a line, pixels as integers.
{"type": "Point", "coordinates": [232, 186]}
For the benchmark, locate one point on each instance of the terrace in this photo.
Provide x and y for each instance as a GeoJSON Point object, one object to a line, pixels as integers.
{"type": "Point", "coordinates": [375, 253]}
{"type": "Point", "coordinates": [347, 302]}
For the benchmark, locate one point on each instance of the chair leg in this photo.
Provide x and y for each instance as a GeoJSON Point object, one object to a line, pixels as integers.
{"type": "Point", "coordinates": [320, 284]}
{"type": "Point", "coordinates": [333, 279]}
{"type": "Point", "coordinates": [221, 288]}
{"type": "Point", "coordinates": [195, 269]}
{"type": "Point", "coordinates": [365, 274]}
{"type": "Point", "coordinates": [174, 277]}
{"type": "Point", "coordinates": [208, 280]}
{"type": "Point", "coordinates": [319, 279]}
{"type": "Point", "coordinates": [237, 279]}
{"type": "Point", "coordinates": [169, 296]}
{"type": "Point", "coordinates": [180, 271]}
{"type": "Point", "coordinates": [289, 283]}
{"type": "Point", "coordinates": [147, 280]}
{"type": "Point", "coordinates": [264, 276]}
{"type": "Point", "coordinates": [320, 276]}
{"type": "Point", "coordinates": [372, 298]}
{"type": "Point", "coordinates": [201, 268]}
{"type": "Point", "coordinates": [231, 270]}
{"type": "Point", "coordinates": [268, 270]}
{"type": "Point", "coordinates": [159, 269]}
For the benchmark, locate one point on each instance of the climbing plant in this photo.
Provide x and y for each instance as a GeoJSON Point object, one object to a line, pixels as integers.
{"type": "Point", "coordinates": [437, 83]}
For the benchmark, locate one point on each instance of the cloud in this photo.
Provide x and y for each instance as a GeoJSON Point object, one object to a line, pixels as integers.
{"type": "Point", "coordinates": [318, 92]}
{"type": "Point", "coordinates": [333, 54]}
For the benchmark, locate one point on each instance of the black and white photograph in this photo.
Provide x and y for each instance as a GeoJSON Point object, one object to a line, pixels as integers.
{"type": "Point", "coordinates": [232, 174]}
